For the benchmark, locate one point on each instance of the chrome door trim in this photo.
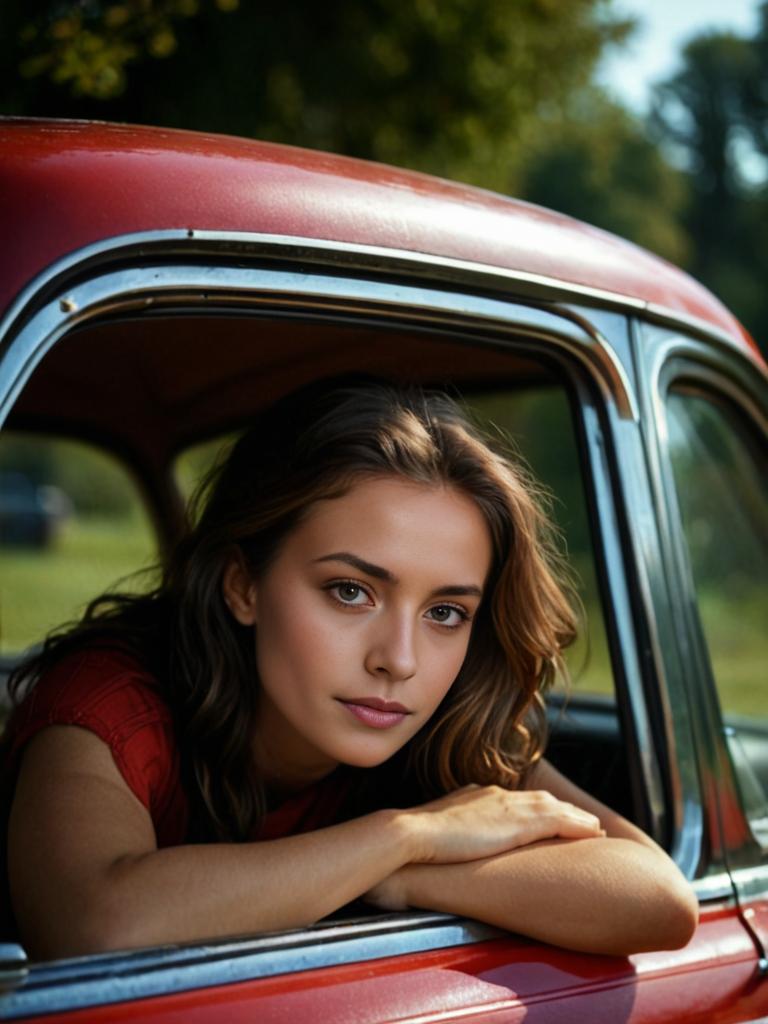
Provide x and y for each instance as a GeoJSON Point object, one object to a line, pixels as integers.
{"type": "Point", "coordinates": [137, 289]}
{"type": "Point", "coordinates": [333, 255]}
{"type": "Point", "coordinates": [358, 257]}
{"type": "Point", "coordinates": [97, 980]}
{"type": "Point", "coordinates": [32, 328]}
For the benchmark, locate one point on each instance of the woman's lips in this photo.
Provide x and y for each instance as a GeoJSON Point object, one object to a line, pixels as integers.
{"type": "Point", "coordinates": [376, 713]}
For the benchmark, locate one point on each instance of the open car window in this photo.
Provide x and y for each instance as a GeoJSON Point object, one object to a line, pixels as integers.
{"type": "Point", "coordinates": [195, 379]}
{"type": "Point", "coordinates": [534, 423]}
{"type": "Point", "coordinates": [72, 524]}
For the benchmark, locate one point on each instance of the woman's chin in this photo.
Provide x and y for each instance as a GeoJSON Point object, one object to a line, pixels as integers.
{"type": "Point", "coordinates": [367, 754]}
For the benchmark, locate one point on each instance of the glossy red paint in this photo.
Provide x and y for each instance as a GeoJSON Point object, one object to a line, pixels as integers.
{"type": "Point", "coordinates": [64, 185]}
{"type": "Point", "coordinates": [503, 981]}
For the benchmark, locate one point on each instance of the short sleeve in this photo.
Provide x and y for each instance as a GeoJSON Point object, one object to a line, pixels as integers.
{"type": "Point", "coordinates": [109, 694]}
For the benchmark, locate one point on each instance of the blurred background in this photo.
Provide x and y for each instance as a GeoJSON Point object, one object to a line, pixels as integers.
{"type": "Point", "coordinates": [645, 117]}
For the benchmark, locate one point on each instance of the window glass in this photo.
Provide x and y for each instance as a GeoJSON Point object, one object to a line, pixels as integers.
{"type": "Point", "coordinates": [722, 492]}
{"type": "Point", "coordinates": [72, 523]}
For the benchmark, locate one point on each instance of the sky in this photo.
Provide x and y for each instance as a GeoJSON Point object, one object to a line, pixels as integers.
{"type": "Point", "coordinates": [663, 27]}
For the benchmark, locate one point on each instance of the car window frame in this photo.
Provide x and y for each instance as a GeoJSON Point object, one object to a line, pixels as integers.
{"type": "Point", "coordinates": [670, 358]}
{"type": "Point", "coordinates": [605, 418]}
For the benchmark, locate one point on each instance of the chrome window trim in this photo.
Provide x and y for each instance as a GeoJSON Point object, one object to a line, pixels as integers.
{"type": "Point", "coordinates": [483, 320]}
{"type": "Point", "coordinates": [672, 358]}
{"type": "Point", "coordinates": [615, 546]}
{"type": "Point", "coordinates": [74, 984]}
{"type": "Point", "coordinates": [714, 888]}
{"type": "Point", "coordinates": [34, 327]}
{"type": "Point", "coordinates": [191, 243]}
{"type": "Point", "coordinates": [136, 289]}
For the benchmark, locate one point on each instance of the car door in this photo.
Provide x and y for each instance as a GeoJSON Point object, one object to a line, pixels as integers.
{"type": "Point", "coordinates": [707, 450]}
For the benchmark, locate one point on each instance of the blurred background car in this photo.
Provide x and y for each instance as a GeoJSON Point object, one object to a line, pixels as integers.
{"type": "Point", "coordinates": [30, 513]}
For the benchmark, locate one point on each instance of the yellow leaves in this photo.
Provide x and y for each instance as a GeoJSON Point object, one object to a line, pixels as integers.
{"type": "Point", "coordinates": [186, 8]}
{"type": "Point", "coordinates": [117, 16]}
{"type": "Point", "coordinates": [162, 43]}
{"type": "Point", "coordinates": [88, 45]}
{"type": "Point", "coordinates": [65, 28]}
{"type": "Point", "coordinates": [93, 65]}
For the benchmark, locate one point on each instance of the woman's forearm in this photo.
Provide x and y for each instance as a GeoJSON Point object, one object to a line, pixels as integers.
{"type": "Point", "coordinates": [181, 893]}
{"type": "Point", "coordinates": [611, 896]}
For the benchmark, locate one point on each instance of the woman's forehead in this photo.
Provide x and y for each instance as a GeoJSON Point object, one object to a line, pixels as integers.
{"type": "Point", "coordinates": [400, 525]}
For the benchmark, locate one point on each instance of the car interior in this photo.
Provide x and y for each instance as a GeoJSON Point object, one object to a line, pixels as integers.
{"type": "Point", "coordinates": [158, 394]}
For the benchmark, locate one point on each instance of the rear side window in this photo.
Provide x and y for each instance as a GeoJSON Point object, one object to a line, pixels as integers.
{"type": "Point", "coordinates": [722, 490]}
{"type": "Point", "coordinates": [72, 524]}
{"type": "Point", "coordinates": [721, 479]}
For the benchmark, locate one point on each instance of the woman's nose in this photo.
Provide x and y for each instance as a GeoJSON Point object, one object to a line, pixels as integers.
{"type": "Point", "coordinates": [392, 650]}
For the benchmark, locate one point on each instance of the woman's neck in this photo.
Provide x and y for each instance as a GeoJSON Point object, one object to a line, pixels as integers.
{"type": "Point", "coordinates": [284, 771]}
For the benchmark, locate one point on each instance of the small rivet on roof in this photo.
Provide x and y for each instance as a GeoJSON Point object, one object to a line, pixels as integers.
{"type": "Point", "coordinates": [67, 305]}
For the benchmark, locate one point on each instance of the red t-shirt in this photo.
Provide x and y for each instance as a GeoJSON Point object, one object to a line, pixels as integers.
{"type": "Point", "coordinates": [108, 693]}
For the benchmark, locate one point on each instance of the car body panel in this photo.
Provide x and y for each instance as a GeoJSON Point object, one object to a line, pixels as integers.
{"type": "Point", "coordinates": [66, 185]}
{"type": "Point", "coordinates": [508, 980]}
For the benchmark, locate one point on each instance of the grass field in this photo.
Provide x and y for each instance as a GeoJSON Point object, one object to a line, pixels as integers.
{"type": "Point", "coordinates": [42, 589]}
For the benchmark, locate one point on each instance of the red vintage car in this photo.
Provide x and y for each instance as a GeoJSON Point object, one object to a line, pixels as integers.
{"type": "Point", "coordinates": [157, 287]}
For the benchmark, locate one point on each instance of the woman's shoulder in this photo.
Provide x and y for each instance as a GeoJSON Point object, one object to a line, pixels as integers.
{"type": "Point", "coordinates": [102, 686]}
{"type": "Point", "coordinates": [110, 693]}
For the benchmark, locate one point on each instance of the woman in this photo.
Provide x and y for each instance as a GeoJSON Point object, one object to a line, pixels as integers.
{"type": "Point", "coordinates": [335, 693]}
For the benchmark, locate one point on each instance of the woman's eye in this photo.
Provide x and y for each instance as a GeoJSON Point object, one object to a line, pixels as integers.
{"type": "Point", "coordinates": [448, 615]}
{"type": "Point", "coordinates": [349, 593]}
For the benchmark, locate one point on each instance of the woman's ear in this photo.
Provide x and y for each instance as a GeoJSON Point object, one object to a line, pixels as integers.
{"type": "Point", "coordinates": [239, 592]}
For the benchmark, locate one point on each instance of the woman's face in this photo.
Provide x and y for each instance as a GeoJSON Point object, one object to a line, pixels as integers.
{"type": "Point", "coordinates": [362, 622]}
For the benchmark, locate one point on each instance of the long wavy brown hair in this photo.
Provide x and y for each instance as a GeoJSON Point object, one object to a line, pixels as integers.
{"type": "Point", "coordinates": [310, 446]}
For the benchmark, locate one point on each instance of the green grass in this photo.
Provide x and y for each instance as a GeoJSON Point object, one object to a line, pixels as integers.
{"type": "Point", "coordinates": [42, 589]}
{"type": "Point", "coordinates": [736, 628]}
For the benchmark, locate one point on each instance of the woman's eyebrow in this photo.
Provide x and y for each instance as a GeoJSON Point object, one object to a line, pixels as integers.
{"type": "Point", "coordinates": [369, 568]}
{"type": "Point", "coordinates": [379, 573]}
{"type": "Point", "coordinates": [458, 591]}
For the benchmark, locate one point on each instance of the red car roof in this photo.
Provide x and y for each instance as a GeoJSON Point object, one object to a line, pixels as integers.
{"type": "Point", "coordinates": [65, 184]}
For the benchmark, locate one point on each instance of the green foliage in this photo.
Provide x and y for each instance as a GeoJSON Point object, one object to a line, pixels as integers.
{"type": "Point", "coordinates": [40, 590]}
{"type": "Point", "coordinates": [95, 483]}
{"type": "Point", "coordinates": [602, 168]}
{"type": "Point", "coordinates": [455, 87]}
{"type": "Point", "coordinates": [87, 45]}
{"type": "Point", "coordinates": [498, 93]}
{"type": "Point", "coordinates": [712, 119]}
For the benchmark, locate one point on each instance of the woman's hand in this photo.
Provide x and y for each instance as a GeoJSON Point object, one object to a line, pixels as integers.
{"type": "Point", "coordinates": [481, 821]}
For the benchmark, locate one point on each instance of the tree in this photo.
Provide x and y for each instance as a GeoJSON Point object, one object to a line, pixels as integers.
{"type": "Point", "coordinates": [455, 87]}
{"type": "Point", "coordinates": [713, 117]}
{"type": "Point", "coordinates": [602, 168]}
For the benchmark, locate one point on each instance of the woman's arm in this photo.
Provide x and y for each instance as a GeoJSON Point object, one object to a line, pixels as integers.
{"type": "Point", "coordinates": [86, 874]}
{"type": "Point", "coordinates": [617, 895]}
